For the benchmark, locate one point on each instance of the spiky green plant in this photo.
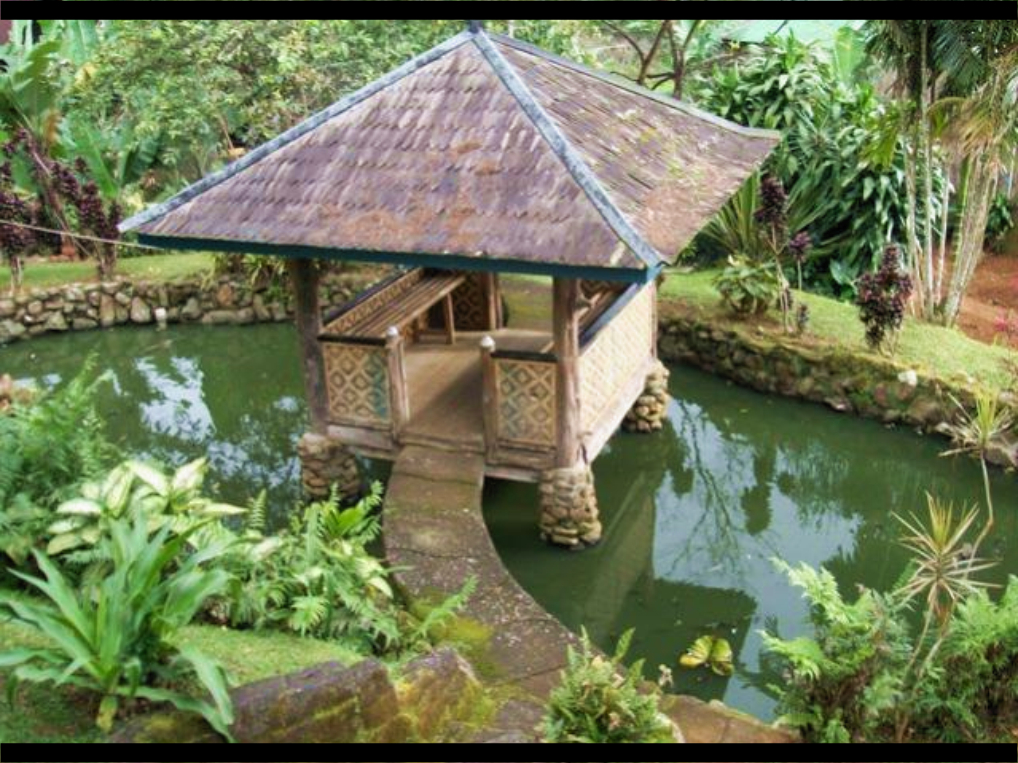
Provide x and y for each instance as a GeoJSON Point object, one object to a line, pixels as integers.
{"type": "Point", "coordinates": [119, 639]}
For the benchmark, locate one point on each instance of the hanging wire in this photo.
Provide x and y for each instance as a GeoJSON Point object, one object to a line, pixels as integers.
{"type": "Point", "coordinates": [80, 235]}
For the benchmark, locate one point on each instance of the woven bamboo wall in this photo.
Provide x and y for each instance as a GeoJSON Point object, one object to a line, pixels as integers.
{"type": "Point", "coordinates": [357, 379]}
{"type": "Point", "coordinates": [526, 403]}
{"type": "Point", "coordinates": [608, 363]}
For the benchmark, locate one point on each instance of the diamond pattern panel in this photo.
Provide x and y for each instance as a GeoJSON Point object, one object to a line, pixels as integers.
{"type": "Point", "coordinates": [357, 380]}
{"type": "Point", "coordinates": [526, 402]}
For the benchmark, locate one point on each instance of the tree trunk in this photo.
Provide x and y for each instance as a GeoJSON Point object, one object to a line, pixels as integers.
{"type": "Point", "coordinates": [972, 232]}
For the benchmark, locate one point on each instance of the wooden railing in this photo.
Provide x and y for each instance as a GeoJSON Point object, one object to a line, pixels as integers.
{"type": "Point", "coordinates": [518, 400]}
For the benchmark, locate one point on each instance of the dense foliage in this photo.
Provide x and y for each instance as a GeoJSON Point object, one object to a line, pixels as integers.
{"type": "Point", "coordinates": [49, 445]}
{"type": "Point", "coordinates": [316, 577]}
{"type": "Point", "coordinates": [599, 700]}
{"type": "Point", "coordinates": [850, 203]}
{"type": "Point", "coordinates": [129, 492]}
{"type": "Point", "coordinates": [851, 680]}
{"type": "Point", "coordinates": [117, 638]}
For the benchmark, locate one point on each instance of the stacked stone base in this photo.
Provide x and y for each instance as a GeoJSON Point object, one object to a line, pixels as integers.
{"type": "Point", "coordinates": [648, 413]}
{"type": "Point", "coordinates": [569, 514]}
{"type": "Point", "coordinates": [326, 462]}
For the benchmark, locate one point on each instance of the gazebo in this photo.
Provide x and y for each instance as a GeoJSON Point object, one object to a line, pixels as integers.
{"type": "Point", "coordinates": [482, 156]}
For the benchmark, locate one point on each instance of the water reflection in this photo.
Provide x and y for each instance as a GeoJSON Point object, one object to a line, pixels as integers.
{"type": "Point", "coordinates": [233, 394]}
{"type": "Point", "coordinates": [694, 514]}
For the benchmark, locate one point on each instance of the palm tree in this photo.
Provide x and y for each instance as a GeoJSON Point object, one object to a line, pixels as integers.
{"type": "Point", "coordinates": [963, 77]}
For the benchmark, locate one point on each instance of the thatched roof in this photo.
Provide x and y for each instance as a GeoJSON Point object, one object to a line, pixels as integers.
{"type": "Point", "coordinates": [483, 152]}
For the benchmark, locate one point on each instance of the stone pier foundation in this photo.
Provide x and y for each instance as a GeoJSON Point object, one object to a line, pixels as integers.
{"type": "Point", "coordinates": [569, 507]}
{"type": "Point", "coordinates": [324, 462]}
{"type": "Point", "coordinates": [648, 413]}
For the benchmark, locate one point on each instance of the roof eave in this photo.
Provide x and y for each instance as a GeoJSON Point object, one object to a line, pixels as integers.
{"type": "Point", "coordinates": [408, 259]}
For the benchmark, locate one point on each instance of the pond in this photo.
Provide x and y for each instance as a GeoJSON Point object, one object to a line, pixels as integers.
{"type": "Point", "coordinates": [692, 515]}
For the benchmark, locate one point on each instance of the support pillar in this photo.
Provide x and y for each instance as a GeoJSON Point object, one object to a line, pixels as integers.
{"type": "Point", "coordinates": [649, 410]}
{"type": "Point", "coordinates": [569, 515]}
{"type": "Point", "coordinates": [326, 462]}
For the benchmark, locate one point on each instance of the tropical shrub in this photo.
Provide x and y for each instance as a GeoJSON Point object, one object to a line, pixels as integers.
{"type": "Point", "coordinates": [131, 491]}
{"type": "Point", "coordinates": [66, 198]}
{"type": "Point", "coordinates": [599, 700]}
{"type": "Point", "coordinates": [855, 679]}
{"type": "Point", "coordinates": [748, 287]}
{"type": "Point", "coordinates": [118, 639]}
{"type": "Point", "coordinates": [882, 299]}
{"type": "Point", "coordinates": [971, 693]}
{"type": "Point", "coordinates": [845, 179]}
{"type": "Point", "coordinates": [48, 446]}
{"type": "Point", "coordinates": [315, 578]}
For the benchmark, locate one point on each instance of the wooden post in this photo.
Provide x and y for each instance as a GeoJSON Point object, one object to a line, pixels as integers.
{"type": "Point", "coordinates": [398, 397]}
{"type": "Point", "coordinates": [566, 332]}
{"type": "Point", "coordinates": [450, 327]}
{"type": "Point", "coordinates": [653, 319]}
{"type": "Point", "coordinates": [493, 300]}
{"type": "Point", "coordinates": [489, 397]}
{"type": "Point", "coordinates": [307, 316]}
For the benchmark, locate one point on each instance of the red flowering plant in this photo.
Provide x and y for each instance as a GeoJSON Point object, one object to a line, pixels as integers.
{"type": "Point", "coordinates": [882, 298]}
{"type": "Point", "coordinates": [63, 196]}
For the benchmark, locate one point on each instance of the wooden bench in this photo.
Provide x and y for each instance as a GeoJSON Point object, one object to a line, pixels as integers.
{"type": "Point", "coordinates": [404, 309]}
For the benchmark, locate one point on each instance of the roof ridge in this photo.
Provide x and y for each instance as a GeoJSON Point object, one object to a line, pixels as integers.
{"type": "Point", "coordinates": [301, 128]}
{"type": "Point", "coordinates": [560, 145]}
{"type": "Point", "coordinates": [632, 87]}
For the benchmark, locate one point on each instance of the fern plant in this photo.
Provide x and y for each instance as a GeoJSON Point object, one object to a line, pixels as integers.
{"type": "Point", "coordinates": [599, 700]}
{"type": "Point", "coordinates": [316, 578]}
{"type": "Point", "coordinates": [843, 683]}
{"type": "Point", "coordinates": [118, 640]}
{"type": "Point", "coordinates": [48, 447]}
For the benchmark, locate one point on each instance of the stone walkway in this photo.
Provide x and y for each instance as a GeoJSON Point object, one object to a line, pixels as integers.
{"type": "Point", "coordinates": [435, 537]}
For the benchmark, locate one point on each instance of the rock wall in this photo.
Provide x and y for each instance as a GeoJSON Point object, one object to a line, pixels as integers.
{"type": "Point", "coordinates": [862, 384]}
{"type": "Point", "coordinates": [334, 703]}
{"type": "Point", "coordinates": [223, 300]}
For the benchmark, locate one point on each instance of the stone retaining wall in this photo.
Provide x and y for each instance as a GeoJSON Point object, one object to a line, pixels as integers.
{"type": "Point", "coordinates": [223, 300]}
{"type": "Point", "coordinates": [863, 384]}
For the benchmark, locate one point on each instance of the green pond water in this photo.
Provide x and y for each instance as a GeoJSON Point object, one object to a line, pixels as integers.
{"type": "Point", "coordinates": [692, 515]}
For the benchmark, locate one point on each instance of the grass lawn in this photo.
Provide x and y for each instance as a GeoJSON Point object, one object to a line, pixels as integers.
{"type": "Point", "coordinates": [156, 267]}
{"type": "Point", "coordinates": [935, 349]}
{"type": "Point", "coordinates": [42, 713]}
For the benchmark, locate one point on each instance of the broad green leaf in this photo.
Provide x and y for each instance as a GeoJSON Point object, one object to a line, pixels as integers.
{"type": "Point", "coordinates": [698, 653]}
{"type": "Point", "coordinates": [81, 506]}
{"type": "Point", "coordinates": [150, 476]}
{"type": "Point", "coordinates": [189, 477]}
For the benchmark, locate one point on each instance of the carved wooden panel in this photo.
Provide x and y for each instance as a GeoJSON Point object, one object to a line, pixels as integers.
{"type": "Point", "coordinates": [526, 402]}
{"type": "Point", "coordinates": [613, 356]}
{"type": "Point", "coordinates": [357, 380]}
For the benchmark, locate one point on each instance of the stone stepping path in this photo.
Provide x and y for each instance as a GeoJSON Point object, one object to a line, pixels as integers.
{"type": "Point", "coordinates": [435, 538]}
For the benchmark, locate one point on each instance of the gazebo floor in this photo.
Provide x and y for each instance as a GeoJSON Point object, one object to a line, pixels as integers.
{"type": "Point", "coordinates": [444, 386]}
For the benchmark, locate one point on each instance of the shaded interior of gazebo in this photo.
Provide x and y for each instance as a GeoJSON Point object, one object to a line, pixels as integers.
{"type": "Point", "coordinates": [481, 157]}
